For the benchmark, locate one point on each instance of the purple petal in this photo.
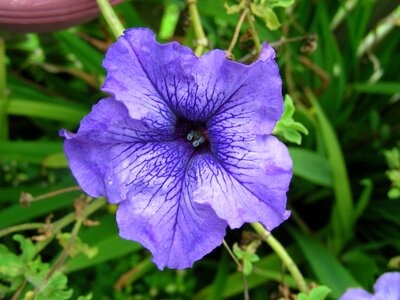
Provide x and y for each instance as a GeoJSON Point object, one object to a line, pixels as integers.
{"type": "Point", "coordinates": [387, 286]}
{"type": "Point", "coordinates": [249, 96]}
{"type": "Point", "coordinates": [356, 294]}
{"type": "Point", "coordinates": [100, 155]}
{"type": "Point", "coordinates": [245, 183]}
{"type": "Point", "coordinates": [139, 70]}
{"type": "Point", "coordinates": [177, 231]}
{"type": "Point", "coordinates": [168, 81]}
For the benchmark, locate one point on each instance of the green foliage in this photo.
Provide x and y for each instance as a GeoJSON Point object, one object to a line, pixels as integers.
{"type": "Point", "coordinates": [287, 127]}
{"type": "Point", "coordinates": [393, 160]}
{"type": "Point", "coordinates": [317, 293]}
{"type": "Point", "coordinates": [247, 256]}
{"type": "Point", "coordinates": [15, 269]}
{"type": "Point", "coordinates": [339, 66]}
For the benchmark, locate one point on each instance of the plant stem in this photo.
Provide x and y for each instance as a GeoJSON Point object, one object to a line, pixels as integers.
{"type": "Point", "coordinates": [254, 34]}
{"type": "Point", "coordinates": [68, 219]}
{"type": "Point", "coordinates": [111, 18]}
{"type": "Point", "coordinates": [232, 255]}
{"type": "Point", "coordinates": [236, 33]}
{"type": "Point", "coordinates": [26, 198]}
{"type": "Point", "coordinates": [267, 237]}
{"type": "Point", "coordinates": [201, 39]}
{"type": "Point", "coordinates": [240, 268]}
{"type": "Point", "coordinates": [21, 227]}
{"type": "Point", "coordinates": [3, 93]}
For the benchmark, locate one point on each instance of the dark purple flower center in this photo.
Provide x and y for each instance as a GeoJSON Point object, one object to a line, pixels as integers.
{"type": "Point", "coordinates": [195, 133]}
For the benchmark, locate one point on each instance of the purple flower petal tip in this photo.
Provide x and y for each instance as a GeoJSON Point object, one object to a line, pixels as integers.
{"type": "Point", "coordinates": [65, 133]}
{"type": "Point", "coordinates": [184, 146]}
{"type": "Point", "coordinates": [387, 287]}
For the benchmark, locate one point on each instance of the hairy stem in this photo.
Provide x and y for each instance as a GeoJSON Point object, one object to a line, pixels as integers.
{"type": "Point", "coordinates": [67, 248]}
{"type": "Point", "coordinates": [27, 198]}
{"type": "Point", "coordinates": [267, 237]}
{"type": "Point", "coordinates": [68, 219]}
{"type": "Point", "coordinates": [201, 39]}
{"type": "Point", "coordinates": [21, 227]}
{"type": "Point", "coordinates": [236, 33]}
{"type": "Point", "coordinates": [240, 268]}
{"type": "Point", "coordinates": [111, 18]}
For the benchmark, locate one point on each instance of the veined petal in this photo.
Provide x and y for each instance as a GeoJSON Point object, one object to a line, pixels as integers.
{"type": "Point", "coordinates": [166, 81]}
{"type": "Point", "coordinates": [245, 185]}
{"type": "Point", "coordinates": [247, 95]}
{"type": "Point", "coordinates": [150, 78]}
{"type": "Point", "coordinates": [164, 219]}
{"type": "Point", "coordinates": [100, 155]}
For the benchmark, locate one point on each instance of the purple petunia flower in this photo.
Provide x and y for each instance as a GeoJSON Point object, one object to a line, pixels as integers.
{"type": "Point", "coordinates": [184, 146]}
{"type": "Point", "coordinates": [387, 287]}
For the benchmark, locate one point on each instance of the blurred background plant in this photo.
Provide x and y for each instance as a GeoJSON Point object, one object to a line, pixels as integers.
{"type": "Point", "coordinates": [339, 64]}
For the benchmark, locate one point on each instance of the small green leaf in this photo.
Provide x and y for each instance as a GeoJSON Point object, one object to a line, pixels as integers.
{"type": "Point", "coordinates": [267, 14]}
{"type": "Point", "coordinates": [279, 3]}
{"type": "Point", "coordinates": [238, 251]}
{"type": "Point", "coordinates": [77, 247]}
{"type": "Point", "coordinates": [234, 9]}
{"type": "Point", "coordinates": [87, 297]}
{"type": "Point", "coordinates": [55, 288]}
{"type": "Point", "coordinates": [319, 293]}
{"type": "Point", "coordinates": [247, 267]}
{"type": "Point", "coordinates": [27, 247]}
{"type": "Point", "coordinates": [286, 127]}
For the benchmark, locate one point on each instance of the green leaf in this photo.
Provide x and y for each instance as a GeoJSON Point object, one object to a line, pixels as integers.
{"type": "Point", "coordinates": [51, 111]}
{"type": "Point", "coordinates": [55, 288]}
{"type": "Point", "coordinates": [267, 14]}
{"type": "Point", "coordinates": [311, 166]}
{"type": "Point", "coordinates": [382, 88]}
{"type": "Point", "coordinates": [239, 253]}
{"type": "Point", "coordinates": [324, 264]}
{"type": "Point", "coordinates": [77, 247]}
{"type": "Point", "coordinates": [87, 297]}
{"type": "Point", "coordinates": [343, 210]}
{"type": "Point", "coordinates": [55, 161]}
{"type": "Point", "coordinates": [286, 127]}
{"type": "Point", "coordinates": [279, 3]}
{"type": "Point", "coordinates": [11, 271]}
{"type": "Point", "coordinates": [89, 57]}
{"type": "Point", "coordinates": [109, 248]}
{"type": "Point", "coordinates": [27, 247]}
{"type": "Point", "coordinates": [27, 151]}
{"type": "Point", "coordinates": [319, 293]}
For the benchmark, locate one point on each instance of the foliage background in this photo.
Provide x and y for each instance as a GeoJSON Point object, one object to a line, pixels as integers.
{"type": "Point", "coordinates": [342, 74]}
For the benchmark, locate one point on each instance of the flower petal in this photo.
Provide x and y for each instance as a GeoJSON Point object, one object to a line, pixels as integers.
{"type": "Point", "coordinates": [357, 294]}
{"type": "Point", "coordinates": [243, 94]}
{"type": "Point", "coordinates": [165, 81]}
{"type": "Point", "coordinates": [100, 155]}
{"type": "Point", "coordinates": [245, 184]}
{"type": "Point", "coordinates": [387, 286]}
{"type": "Point", "coordinates": [140, 73]}
{"type": "Point", "coordinates": [163, 218]}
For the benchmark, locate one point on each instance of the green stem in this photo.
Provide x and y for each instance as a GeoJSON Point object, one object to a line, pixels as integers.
{"type": "Point", "coordinates": [201, 39]}
{"type": "Point", "coordinates": [235, 37]}
{"type": "Point", "coordinates": [67, 248]}
{"type": "Point", "coordinates": [111, 18]}
{"type": "Point", "coordinates": [3, 93]}
{"type": "Point", "coordinates": [283, 255]}
{"type": "Point", "coordinates": [254, 34]}
{"type": "Point", "coordinates": [68, 219]}
{"type": "Point", "coordinates": [21, 227]}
